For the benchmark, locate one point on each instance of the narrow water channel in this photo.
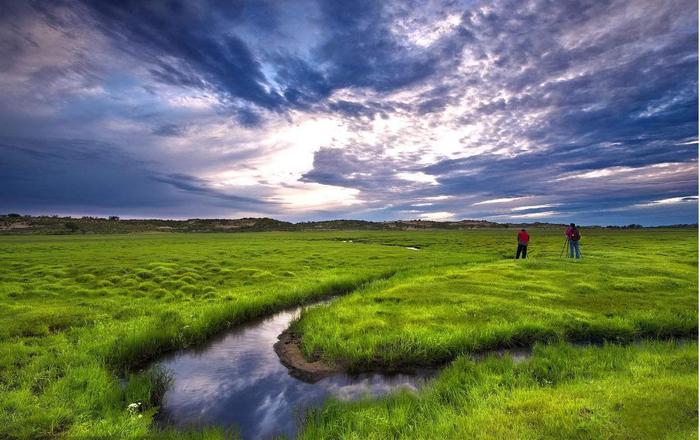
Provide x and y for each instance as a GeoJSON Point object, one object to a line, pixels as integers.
{"type": "Point", "coordinates": [237, 380]}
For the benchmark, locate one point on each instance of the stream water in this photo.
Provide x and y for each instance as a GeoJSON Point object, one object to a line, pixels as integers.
{"type": "Point", "coordinates": [237, 380]}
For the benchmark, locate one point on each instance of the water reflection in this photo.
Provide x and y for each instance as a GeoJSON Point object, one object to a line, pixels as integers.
{"type": "Point", "coordinates": [237, 380]}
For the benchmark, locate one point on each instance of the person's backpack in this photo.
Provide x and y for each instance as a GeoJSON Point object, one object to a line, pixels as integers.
{"type": "Point", "coordinates": [575, 235]}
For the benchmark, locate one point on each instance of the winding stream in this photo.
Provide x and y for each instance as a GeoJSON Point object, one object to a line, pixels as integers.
{"type": "Point", "coordinates": [237, 381]}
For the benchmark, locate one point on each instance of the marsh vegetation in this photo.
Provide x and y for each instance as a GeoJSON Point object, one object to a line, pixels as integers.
{"type": "Point", "coordinates": [82, 316]}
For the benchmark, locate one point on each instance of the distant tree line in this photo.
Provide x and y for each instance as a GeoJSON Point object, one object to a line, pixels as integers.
{"type": "Point", "coordinates": [14, 223]}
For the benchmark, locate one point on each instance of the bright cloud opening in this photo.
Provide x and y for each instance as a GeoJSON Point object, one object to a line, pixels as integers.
{"type": "Point", "coordinates": [310, 196]}
{"type": "Point", "coordinates": [418, 177]}
{"type": "Point", "coordinates": [438, 216]}
{"type": "Point", "coordinates": [501, 200]}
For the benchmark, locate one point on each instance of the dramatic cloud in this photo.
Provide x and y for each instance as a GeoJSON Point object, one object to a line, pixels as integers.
{"type": "Point", "coordinates": [507, 110]}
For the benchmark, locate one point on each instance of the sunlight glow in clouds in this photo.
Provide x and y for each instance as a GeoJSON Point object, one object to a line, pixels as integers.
{"type": "Point", "coordinates": [309, 196]}
{"type": "Point", "coordinates": [670, 201]}
{"type": "Point", "coordinates": [418, 177]}
{"type": "Point", "coordinates": [542, 214]}
{"type": "Point", "coordinates": [527, 208]}
{"type": "Point", "coordinates": [502, 200]}
{"type": "Point", "coordinates": [438, 216]}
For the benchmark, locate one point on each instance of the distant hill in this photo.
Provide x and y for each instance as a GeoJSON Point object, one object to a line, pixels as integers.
{"type": "Point", "coordinates": [24, 224]}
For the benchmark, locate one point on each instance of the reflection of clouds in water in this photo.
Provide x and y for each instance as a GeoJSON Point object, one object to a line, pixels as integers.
{"type": "Point", "coordinates": [271, 411]}
{"type": "Point", "coordinates": [219, 374]}
{"type": "Point", "coordinates": [352, 388]}
{"type": "Point", "coordinates": [237, 379]}
{"type": "Point", "coordinates": [231, 364]}
{"type": "Point", "coordinates": [518, 355]}
{"type": "Point", "coordinates": [270, 329]}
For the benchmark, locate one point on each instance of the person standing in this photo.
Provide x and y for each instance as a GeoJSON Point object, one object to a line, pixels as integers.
{"type": "Point", "coordinates": [574, 236]}
{"type": "Point", "coordinates": [523, 240]}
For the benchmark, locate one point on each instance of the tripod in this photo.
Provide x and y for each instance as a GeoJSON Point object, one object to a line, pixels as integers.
{"type": "Point", "coordinates": [569, 252]}
{"type": "Point", "coordinates": [565, 248]}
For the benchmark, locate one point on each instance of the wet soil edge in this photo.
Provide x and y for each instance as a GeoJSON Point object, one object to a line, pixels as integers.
{"type": "Point", "coordinates": [288, 349]}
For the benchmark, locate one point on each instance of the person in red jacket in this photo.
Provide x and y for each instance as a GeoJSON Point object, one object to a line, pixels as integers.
{"type": "Point", "coordinates": [523, 240]}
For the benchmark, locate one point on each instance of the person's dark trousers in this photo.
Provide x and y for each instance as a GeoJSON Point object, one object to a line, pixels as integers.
{"type": "Point", "coordinates": [522, 249]}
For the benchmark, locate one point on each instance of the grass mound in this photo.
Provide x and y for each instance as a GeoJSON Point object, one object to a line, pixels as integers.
{"type": "Point", "coordinates": [640, 391]}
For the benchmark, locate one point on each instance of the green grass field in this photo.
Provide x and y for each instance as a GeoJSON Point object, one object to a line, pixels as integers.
{"type": "Point", "coordinates": [78, 313]}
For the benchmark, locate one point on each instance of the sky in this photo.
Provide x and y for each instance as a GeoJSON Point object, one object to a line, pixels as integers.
{"type": "Point", "coordinates": [510, 111]}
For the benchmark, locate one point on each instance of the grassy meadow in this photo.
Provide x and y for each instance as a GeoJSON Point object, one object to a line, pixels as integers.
{"type": "Point", "coordinates": [81, 315]}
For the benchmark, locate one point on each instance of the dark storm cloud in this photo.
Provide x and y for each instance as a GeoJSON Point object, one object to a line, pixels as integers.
{"type": "Point", "coordinates": [341, 167]}
{"type": "Point", "coordinates": [177, 37]}
{"type": "Point", "coordinates": [56, 173]}
{"type": "Point", "coordinates": [172, 130]}
{"type": "Point", "coordinates": [194, 45]}
{"type": "Point", "coordinates": [77, 174]}
{"type": "Point", "coordinates": [535, 174]}
{"type": "Point", "coordinates": [302, 85]}
{"type": "Point", "coordinates": [247, 117]}
{"type": "Point", "coordinates": [362, 52]}
{"type": "Point", "coordinates": [198, 186]}
{"type": "Point", "coordinates": [367, 109]}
